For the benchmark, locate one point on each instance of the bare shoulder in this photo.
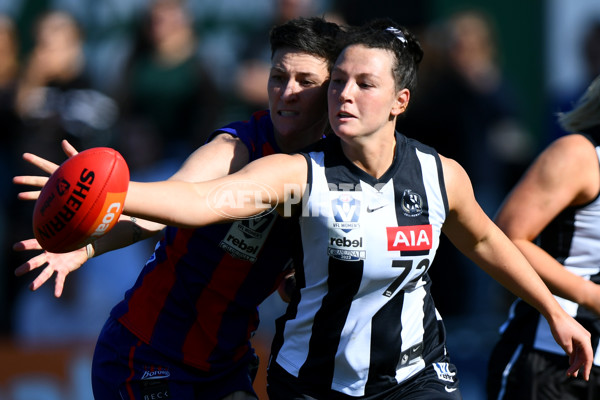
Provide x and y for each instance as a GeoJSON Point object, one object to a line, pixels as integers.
{"type": "Point", "coordinates": [570, 163]}
{"type": "Point", "coordinates": [458, 183]}
{"type": "Point", "coordinates": [454, 173]}
{"type": "Point", "coordinates": [223, 155]}
{"type": "Point", "coordinates": [571, 146]}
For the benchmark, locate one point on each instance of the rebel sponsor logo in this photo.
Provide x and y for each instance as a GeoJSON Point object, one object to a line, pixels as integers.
{"type": "Point", "coordinates": [346, 249]}
{"type": "Point", "coordinates": [245, 238]}
{"type": "Point", "coordinates": [345, 242]}
{"type": "Point", "coordinates": [409, 238]}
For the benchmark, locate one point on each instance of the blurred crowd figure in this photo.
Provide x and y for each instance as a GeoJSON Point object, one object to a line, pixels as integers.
{"type": "Point", "coordinates": [467, 109]}
{"type": "Point", "coordinates": [589, 48]}
{"type": "Point", "coordinates": [167, 98]}
{"type": "Point", "coordinates": [9, 123]}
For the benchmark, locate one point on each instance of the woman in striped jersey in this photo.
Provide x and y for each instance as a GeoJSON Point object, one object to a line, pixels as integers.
{"type": "Point", "coordinates": [371, 204]}
{"type": "Point", "coordinates": [553, 216]}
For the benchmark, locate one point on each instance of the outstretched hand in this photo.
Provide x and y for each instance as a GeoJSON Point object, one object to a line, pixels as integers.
{"type": "Point", "coordinates": [43, 164]}
{"type": "Point", "coordinates": [61, 263]}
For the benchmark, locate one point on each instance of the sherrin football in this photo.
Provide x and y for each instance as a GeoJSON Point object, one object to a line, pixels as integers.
{"type": "Point", "coordinates": [82, 200]}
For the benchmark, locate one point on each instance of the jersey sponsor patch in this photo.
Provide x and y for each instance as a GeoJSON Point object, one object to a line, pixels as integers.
{"type": "Point", "coordinates": [410, 238]}
{"type": "Point", "coordinates": [245, 238]}
{"type": "Point", "coordinates": [346, 211]}
{"type": "Point", "coordinates": [443, 372]}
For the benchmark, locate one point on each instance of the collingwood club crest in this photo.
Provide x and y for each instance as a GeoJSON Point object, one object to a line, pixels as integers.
{"type": "Point", "coordinates": [412, 203]}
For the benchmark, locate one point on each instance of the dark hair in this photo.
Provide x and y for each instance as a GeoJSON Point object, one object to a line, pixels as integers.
{"type": "Point", "coordinates": [386, 34]}
{"type": "Point", "coordinates": [313, 36]}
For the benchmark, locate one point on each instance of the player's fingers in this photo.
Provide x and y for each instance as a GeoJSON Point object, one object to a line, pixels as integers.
{"type": "Point", "coordinates": [41, 278]}
{"type": "Point", "coordinates": [68, 148]}
{"type": "Point", "coordinates": [34, 180]}
{"type": "Point", "coordinates": [28, 244]}
{"type": "Point", "coordinates": [30, 265]}
{"type": "Point", "coordinates": [33, 195]}
{"type": "Point", "coordinates": [59, 284]}
{"type": "Point", "coordinates": [579, 360]}
{"type": "Point", "coordinates": [41, 163]}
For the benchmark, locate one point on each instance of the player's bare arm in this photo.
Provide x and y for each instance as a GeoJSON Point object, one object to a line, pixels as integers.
{"type": "Point", "coordinates": [559, 178]}
{"type": "Point", "coordinates": [267, 182]}
{"type": "Point", "coordinates": [472, 232]}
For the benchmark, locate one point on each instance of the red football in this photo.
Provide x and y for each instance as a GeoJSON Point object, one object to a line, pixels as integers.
{"type": "Point", "coordinates": [82, 200]}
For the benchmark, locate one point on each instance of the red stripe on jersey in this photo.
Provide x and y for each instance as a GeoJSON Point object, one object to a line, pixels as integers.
{"type": "Point", "coordinates": [267, 149]}
{"type": "Point", "coordinates": [160, 281]}
{"type": "Point", "coordinates": [130, 364]}
{"type": "Point", "coordinates": [201, 339]}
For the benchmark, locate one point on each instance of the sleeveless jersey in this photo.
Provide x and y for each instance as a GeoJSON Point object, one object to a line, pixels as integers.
{"type": "Point", "coordinates": [364, 320]}
{"type": "Point", "coordinates": [573, 239]}
{"type": "Point", "coordinates": [196, 298]}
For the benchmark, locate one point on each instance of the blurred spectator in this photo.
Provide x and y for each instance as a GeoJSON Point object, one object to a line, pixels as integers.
{"type": "Point", "coordinates": [590, 54]}
{"type": "Point", "coordinates": [167, 86]}
{"type": "Point", "coordinates": [412, 14]}
{"type": "Point", "coordinates": [467, 110]}
{"type": "Point", "coordinates": [10, 123]}
{"type": "Point", "coordinates": [55, 97]}
{"type": "Point", "coordinates": [56, 101]}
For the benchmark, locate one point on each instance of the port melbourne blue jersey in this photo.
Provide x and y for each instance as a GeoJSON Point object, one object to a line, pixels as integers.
{"type": "Point", "coordinates": [363, 319]}
{"type": "Point", "coordinates": [196, 300]}
{"type": "Point", "coordinates": [573, 239]}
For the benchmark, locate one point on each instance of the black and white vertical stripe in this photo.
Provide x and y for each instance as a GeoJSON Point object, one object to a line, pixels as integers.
{"type": "Point", "coordinates": [366, 323]}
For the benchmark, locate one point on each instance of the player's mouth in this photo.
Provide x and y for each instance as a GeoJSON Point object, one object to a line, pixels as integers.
{"type": "Point", "coordinates": [344, 115]}
{"type": "Point", "coordinates": [287, 113]}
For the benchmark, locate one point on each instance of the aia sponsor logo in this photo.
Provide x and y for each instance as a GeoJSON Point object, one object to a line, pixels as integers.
{"type": "Point", "coordinates": [409, 238]}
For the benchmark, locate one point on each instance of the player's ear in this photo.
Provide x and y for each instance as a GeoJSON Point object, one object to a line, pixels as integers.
{"type": "Point", "coordinates": [401, 102]}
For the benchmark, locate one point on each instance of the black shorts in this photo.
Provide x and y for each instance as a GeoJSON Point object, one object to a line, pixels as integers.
{"type": "Point", "coordinates": [426, 385]}
{"type": "Point", "coordinates": [517, 372]}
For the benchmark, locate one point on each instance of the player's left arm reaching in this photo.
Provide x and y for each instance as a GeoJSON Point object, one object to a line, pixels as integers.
{"type": "Point", "coordinates": [475, 235]}
{"type": "Point", "coordinates": [221, 156]}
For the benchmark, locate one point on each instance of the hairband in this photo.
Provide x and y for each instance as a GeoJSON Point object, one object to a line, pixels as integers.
{"type": "Point", "coordinates": [398, 33]}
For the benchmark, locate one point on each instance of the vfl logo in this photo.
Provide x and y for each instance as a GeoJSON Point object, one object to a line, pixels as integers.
{"type": "Point", "coordinates": [409, 238]}
{"type": "Point", "coordinates": [255, 227]}
{"type": "Point", "coordinates": [444, 373]}
{"type": "Point", "coordinates": [346, 210]}
{"type": "Point", "coordinates": [412, 203]}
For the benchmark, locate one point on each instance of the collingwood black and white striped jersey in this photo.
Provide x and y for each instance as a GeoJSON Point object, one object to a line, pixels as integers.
{"type": "Point", "coordinates": [364, 320]}
{"type": "Point", "coordinates": [573, 239]}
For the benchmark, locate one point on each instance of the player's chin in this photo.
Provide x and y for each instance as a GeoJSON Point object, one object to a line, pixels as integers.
{"type": "Point", "coordinates": [287, 128]}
